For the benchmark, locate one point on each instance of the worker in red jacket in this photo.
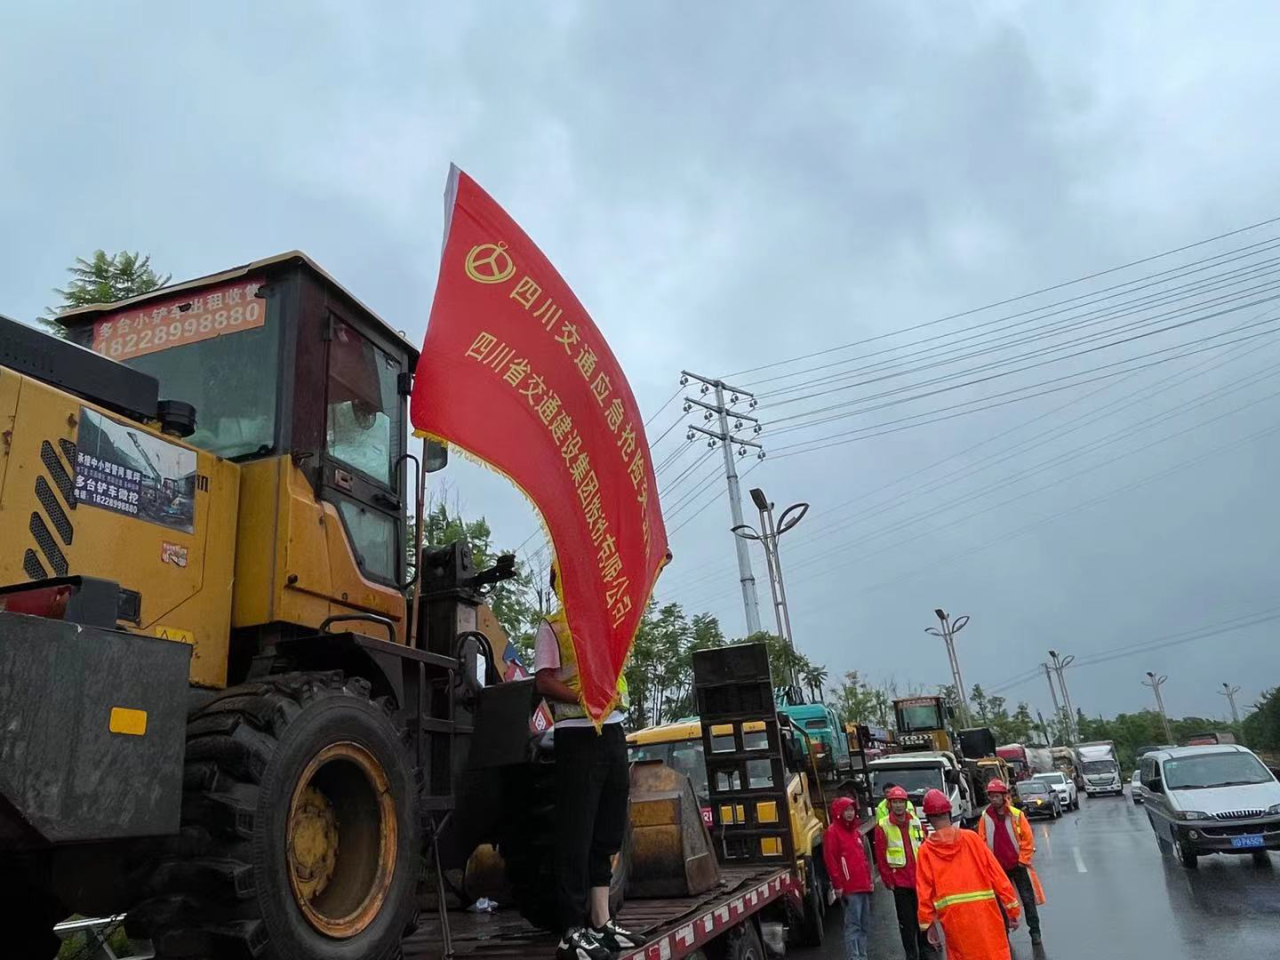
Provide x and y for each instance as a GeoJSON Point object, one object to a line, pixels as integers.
{"type": "Point", "coordinates": [845, 854]}
{"type": "Point", "coordinates": [897, 841]}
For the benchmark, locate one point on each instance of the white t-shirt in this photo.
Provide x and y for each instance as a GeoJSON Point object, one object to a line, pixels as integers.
{"type": "Point", "coordinates": [546, 656]}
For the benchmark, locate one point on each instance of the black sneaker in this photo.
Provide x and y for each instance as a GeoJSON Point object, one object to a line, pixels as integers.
{"type": "Point", "coordinates": [581, 944]}
{"type": "Point", "coordinates": [616, 938]}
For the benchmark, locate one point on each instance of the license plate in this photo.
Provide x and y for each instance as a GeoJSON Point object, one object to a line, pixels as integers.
{"type": "Point", "coordinates": [1247, 842]}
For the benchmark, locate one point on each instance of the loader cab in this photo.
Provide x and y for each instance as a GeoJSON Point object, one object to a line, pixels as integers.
{"type": "Point", "coordinates": [277, 358]}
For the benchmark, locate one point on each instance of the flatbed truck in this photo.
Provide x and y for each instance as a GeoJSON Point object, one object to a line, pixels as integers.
{"type": "Point", "coordinates": [730, 922]}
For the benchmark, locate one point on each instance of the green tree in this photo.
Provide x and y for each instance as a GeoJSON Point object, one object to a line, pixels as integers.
{"type": "Point", "coordinates": [814, 678]}
{"type": "Point", "coordinates": [106, 279]}
{"type": "Point", "coordinates": [1262, 725]}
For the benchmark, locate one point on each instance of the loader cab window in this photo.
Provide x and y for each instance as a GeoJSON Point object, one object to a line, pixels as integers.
{"type": "Point", "coordinates": [363, 418]}
{"type": "Point", "coordinates": [231, 380]}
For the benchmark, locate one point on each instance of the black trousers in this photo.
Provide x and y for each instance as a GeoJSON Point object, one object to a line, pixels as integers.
{"type": "Point", "coordinates": [593, 786]}
{"type": "Point", "coordinates": [1027, 894]}
{"type": "Point", "coordinates": [914, 942]}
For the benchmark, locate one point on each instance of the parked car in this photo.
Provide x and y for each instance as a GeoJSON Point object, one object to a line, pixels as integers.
{"type": "Point", "coordinates": [1211, 799]}
{"type": "Point", "coordinates": [1135, 786]}
{"type": "Point", "coordinates": [1037, 799]}
{"type": "Point", "coordinates": [1063, 786]}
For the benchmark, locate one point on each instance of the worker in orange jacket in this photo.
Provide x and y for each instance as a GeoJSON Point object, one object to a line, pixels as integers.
{"type": "Point", "coordinates": [960, 885]}
{"type": "Point", "coordinates": [1007, 833]}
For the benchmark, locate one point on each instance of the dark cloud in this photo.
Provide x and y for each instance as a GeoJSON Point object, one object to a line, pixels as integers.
{"type": "Point", "coordinates": [725, 185]}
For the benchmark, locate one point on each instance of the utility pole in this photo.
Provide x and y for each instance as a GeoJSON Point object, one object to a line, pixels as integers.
{"type": "Point", "coordinates": [727, 440]}
{"type": "Point", "coordinates": [1060, 665]}
{"type": "Point", "coordinates": [948, 635]}
{"type": "Point", "coordinates": [1230, 692]}
{"type": "Point", "coordinates": [1057, 710]}
{"type": "Point", "coordinates": [1155, 683]}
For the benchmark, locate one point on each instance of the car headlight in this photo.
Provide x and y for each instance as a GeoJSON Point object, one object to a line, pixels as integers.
{"type": "Point", "coordinates": [1192, 815]}
{"type": "Point", "coordinates": [1274, 809]}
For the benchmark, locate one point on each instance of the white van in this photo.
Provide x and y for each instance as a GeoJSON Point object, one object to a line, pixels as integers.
{"type": "Point", "coordinates": [1211, 799]}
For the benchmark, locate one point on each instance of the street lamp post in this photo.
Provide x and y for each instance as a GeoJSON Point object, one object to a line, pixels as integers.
{"type": "Point", "coordinates": [1060, 665]}
{"type": "Point", "coordinates": [948, 634]}
{"type": "Point", "coordinates": [768, 536]}
{"type": "Point", "coordinates": [1230, 692]}
{"type": "Point", "coordinates": [1155, 683]}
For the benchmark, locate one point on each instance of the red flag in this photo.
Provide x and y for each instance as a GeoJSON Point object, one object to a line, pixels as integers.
{"type": "Point", "coordinates": [515, 373]}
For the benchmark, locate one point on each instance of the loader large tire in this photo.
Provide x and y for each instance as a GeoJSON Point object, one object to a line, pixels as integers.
{"type": "Point", "coordinates": [300, 837]}
{"type": "Point", "coordinates": [528, 848]}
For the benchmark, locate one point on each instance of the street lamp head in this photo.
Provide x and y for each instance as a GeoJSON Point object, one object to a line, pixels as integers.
{"type": "Point", "coordinates": [745, 531]}
{"type": "Point", "coordinates": [759, 499]}
{"type": "Point", "coordinates": [934, 631]}
{"type": "Point", "coordinates": [1054, 654]}
{"type": "Point", "coordinates": [959, 623]}
{"type": "Point", "coordinates": [791, 516]}
{"type": "Point", "coordinates": [940, 613]}
{"type": "Point", "coordinates": [1151, 675]}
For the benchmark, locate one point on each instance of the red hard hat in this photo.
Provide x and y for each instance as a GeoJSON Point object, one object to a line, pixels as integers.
{"type": "Point", "coordinates": [935, 803]}
{"type": "Point", "coordinates": [997, 786]}
{"type": "Point", "coordinates": [896, 793]}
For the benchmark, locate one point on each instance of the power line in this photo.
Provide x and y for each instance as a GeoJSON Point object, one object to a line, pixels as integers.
{"type": "Point", "coordinates": [861, 433]}
{"type": "Point", "coordinates": [666, 403]}
{"type": "Point", "coordinates": [1030, 472]}
{"type": "Point", "coordinates": [1075, 423]}
{"type": "Point", "coordinates": [1085, 449]}
{"type": "Point", "coordinates": [1039, 440]}
{"type": "Point", "coordinates": [706, 503]}
{"type": "Point", "coordinates": [1106, 313]}
{"type": "Point", "coordinates": [1157, 643]}
{"type": "Point", "coordinates": [1026, 296]}
{"type": "Point", "coordinates": [994, 365]}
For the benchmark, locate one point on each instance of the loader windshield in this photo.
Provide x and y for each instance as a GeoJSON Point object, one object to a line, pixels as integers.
{"type": "Point", "coordinates": [232, 383]}
{"type": "Point", "coordinates": [216, 348]}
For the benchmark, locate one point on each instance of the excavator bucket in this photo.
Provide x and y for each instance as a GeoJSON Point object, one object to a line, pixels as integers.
{"type": "Point", "coordinates": [671, 853]}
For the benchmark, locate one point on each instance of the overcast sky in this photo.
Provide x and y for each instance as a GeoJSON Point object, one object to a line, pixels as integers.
{"type": "Point", "coordinates": [730, 185]}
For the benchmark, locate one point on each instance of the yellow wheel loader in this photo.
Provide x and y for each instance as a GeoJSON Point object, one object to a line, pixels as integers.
{"type": "Point", "coordinates": [218, 710]}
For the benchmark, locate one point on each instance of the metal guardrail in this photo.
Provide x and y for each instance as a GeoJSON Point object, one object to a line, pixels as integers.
{"type": "Point", "coordinates": [96, 931]}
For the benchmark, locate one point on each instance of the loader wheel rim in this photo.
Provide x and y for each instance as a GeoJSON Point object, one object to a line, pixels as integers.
{"type": "Point", "coordinates": [341, 840]}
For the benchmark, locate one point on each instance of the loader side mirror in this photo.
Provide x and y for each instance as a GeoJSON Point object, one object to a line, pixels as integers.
{"type": "Point", "coordinates": [437, 456]}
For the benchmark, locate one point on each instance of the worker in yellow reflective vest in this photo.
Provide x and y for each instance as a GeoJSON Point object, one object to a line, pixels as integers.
{"type": "Point", "coordinates": [882, 808]}
{"type": "Point", "coordinates": [593, 786]}
{"type": "Point", "coordinates": [897, 842]}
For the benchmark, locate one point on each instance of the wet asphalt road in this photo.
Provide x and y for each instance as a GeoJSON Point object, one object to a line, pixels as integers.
{"type": "Point", "coordinates": [1111, 895]}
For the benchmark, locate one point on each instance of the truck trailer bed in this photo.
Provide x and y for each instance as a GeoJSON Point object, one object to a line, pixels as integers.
{"type": "Point", "coordinates": [673, 928]}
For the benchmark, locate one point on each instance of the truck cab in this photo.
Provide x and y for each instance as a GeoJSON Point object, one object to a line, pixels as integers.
{"type": "Point", "coordinates": [822, 731]}
{"type": "Point", "coordinates": [923, 723]}
{"type": "Point", "coordinates": [920, 772]}
{"type": "Point", "coordinates": [1100, 767]}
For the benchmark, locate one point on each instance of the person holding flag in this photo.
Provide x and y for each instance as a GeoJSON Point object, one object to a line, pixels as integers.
{"type": "Point", "coordinates": [593, 787]}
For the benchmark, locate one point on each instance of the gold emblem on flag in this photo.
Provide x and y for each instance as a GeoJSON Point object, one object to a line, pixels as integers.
{"type": "Point", "coordinates": [490, 263]}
